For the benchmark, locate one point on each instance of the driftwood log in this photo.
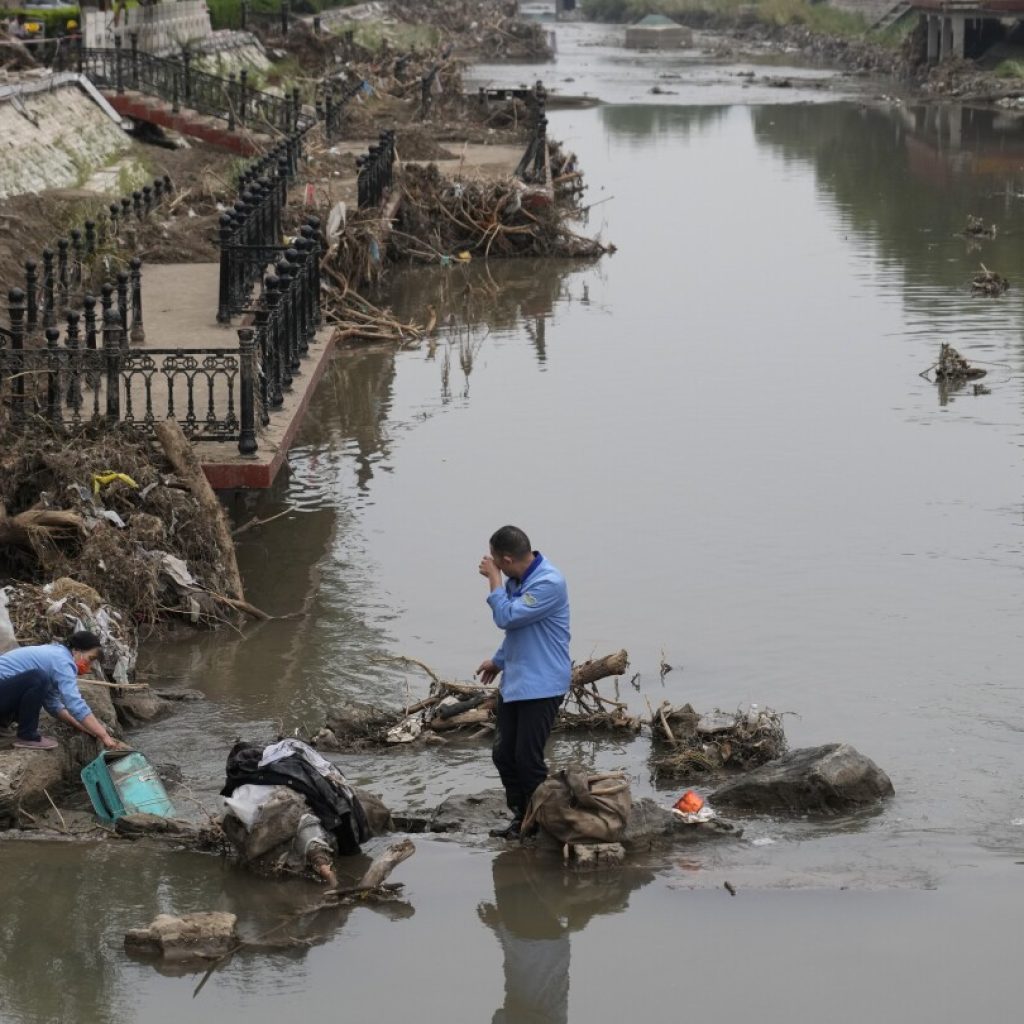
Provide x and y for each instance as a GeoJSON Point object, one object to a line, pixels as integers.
{"type": "Point", "coordinates": [186, 466]}
{"type": "Point", "coordinates": [38, 524]}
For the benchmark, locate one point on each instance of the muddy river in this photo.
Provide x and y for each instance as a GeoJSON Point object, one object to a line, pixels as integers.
{"type": "Point", "coordinates": [720, 434]}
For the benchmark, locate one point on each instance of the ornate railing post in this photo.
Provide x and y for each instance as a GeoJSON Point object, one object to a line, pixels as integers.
{"type": "Point", "coordinates": [62, 272]}
{"type": "Point", "coordinates": [261, 320]}
{"type": "Point", "coordinates": [224, 290]}
{"type": "Point", "coordinates": [74, 392]}
{"type": "Point", "coordinates": [49, 301]}
{"type": "Point", "coordinates": [76, 257]}
{"type": "Point", "coordinates": [147, 200]}
{"type": "Point", "coordinates": [53, 413]}
{"type": "Point", "coordinates": [134, 37]}
{"type": "Point", "coordinates": [229, 100]}
{"type": "Point", "coordinates": [247, 392]}
{"type": "Point", "coordinates": [243, 88]}
{"type": "Point", "coordinates": [118, 64]}
{"type": "Point", "coordinates": [31, 297]}
{"type": "Point", "coordinates": [89, 317]}
{"type": "Point", "coordinates": [300, 288]}
{"type": "Point", "coordinates": [285, 324]}
{"type": "Point", "coordinates": [285, 11]}
{"type": "Point", "coordinates": [272, 297]}
{"type": "Point", "coordinates": [123, 280]}
{"type": "Point", "coordinates": [16, 306]}
{"type": "Point", "coordinates": [138, 332]}
{"type": "Point", "coordinates": [112, 352]}
{"type": "Point", "coordinates": [186, 62]}
{"type": "Point", "coordinates": [80, 54]}
{"type": "Point", "coordinates": [90, 237]}
{"type": "Point", "coordinates": [137, 204]}
{"type": "Point", "coordinates": [296, 111]}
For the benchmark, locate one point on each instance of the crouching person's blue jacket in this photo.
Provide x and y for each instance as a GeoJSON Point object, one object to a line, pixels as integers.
{"type": "Point", "coordinates": [534, 612]}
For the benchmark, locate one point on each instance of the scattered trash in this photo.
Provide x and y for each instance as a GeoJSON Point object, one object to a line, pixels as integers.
{"type": "Point", "coordinates": [976, 228]}
{"type": "Point", "coordinates": [124, 782]}
{"type": "Point", "coordinates": [953, 367]}
{"type": "Point", "coordinates": [730, 888]}
{"type": "Point", "coordinates": [688, 744]}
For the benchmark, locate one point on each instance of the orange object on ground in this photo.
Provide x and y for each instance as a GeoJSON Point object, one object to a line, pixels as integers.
{"type": "Point", "coordinates": [689, 803]}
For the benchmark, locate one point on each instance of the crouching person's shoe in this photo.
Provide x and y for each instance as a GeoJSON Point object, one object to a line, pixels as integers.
{"type": "Point", "coordinates": [42, 743]}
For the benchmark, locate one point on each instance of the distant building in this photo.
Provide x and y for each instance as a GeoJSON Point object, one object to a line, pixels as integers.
{"type": "Point", "coordinates": [656, 32]}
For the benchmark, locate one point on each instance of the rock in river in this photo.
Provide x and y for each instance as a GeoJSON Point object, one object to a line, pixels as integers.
{"type": "Point", "coordinates": [202, 936]}
{"type": "Point", "coordinates": [829, 779]}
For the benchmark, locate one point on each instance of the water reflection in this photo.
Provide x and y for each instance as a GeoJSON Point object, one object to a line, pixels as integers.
{"type": "Point", "coordinates": [537, 907]}
{"type": "Point", "coordinates": [647, 125]}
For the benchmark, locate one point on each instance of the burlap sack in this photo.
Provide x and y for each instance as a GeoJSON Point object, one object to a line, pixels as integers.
{"type": "Point", "coordinates": [575, 807]}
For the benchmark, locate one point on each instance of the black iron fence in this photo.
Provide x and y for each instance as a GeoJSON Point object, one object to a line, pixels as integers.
{"type": "Point", "coordinates": [331, 98]}
{"type": "Point", "coordinates": [85, 260]}
{"type": "Point", "coordinates": [375, 170]}
{"type": "Point", "coordinates": [174, 79]}
{"type": "Point", "coordinates": [251, 231]}
{"type": "Point", "coordinates": [86, 374]}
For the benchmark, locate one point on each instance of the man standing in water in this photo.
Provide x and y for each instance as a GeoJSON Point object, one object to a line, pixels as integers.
{"type": "Point", "coordinates": [533, 610]}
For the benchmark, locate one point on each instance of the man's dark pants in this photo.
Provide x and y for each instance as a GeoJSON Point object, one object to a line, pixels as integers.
{"type": "Point", "coordinates": [21, 697]}
{"type": "Point", "coordinates": [523, 727]}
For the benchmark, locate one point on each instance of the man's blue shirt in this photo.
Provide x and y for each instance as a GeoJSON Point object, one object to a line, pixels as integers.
{"type": "Point", "coordinates": [59, 665]}
{"type": "Point", "coordinates": [534, 612]}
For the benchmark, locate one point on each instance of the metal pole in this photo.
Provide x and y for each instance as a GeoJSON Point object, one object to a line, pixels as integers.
{"type": "Point", "coordinates": [112, 352]}
{"type": "Point", "coordinates": [247, 398]}
{"type": "Point", "coordinates": [138, 334]}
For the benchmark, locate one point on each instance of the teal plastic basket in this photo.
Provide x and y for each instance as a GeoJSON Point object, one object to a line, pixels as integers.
{"type": "Point", "coordinates": [121, 782]}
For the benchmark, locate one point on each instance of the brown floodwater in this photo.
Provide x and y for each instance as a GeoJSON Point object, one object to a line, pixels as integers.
{"type": "Point", "coordinates": [721, 436]}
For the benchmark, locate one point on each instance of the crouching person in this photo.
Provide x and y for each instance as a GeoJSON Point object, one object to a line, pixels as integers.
{"type": "Point", "coordinates": [46, 676]}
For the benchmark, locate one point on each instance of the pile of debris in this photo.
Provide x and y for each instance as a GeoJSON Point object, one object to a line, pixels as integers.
{"type": "Point", "coordinates": [976, 228]}
{"type": "Point", "coordinates": [689, 745]}
{"type": "Point", "coordinates": [988, 283]}
{"type": "Point", "coordinates": [489, 29]}
{"type": "Point", "coordinates": [440, 218]}
{"type": "Point", "coordinates": [952, 367]}
{"type": "Point", "coordinates": [131, 533]}
{"type": "Point", "coordinates": [455, 710]}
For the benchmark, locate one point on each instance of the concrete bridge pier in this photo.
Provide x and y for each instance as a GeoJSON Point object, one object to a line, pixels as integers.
{"type": "Point", "coordinates": [947, 37]}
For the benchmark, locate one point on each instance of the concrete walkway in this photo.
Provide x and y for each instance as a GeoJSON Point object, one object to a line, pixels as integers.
{"type": "Point", "coordinates": [179, 312]}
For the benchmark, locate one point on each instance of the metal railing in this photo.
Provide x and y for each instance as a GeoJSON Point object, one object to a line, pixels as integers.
{"type": "Point", "coordinates": [90, 376]}
{"type": "Point", "coordinates": [251, 231]}
{"type": "Point", "coordinates": [331, 98]}
{"type": "Point", "coordinates": [375, 170]}
{"type": "Point", "coordinates": [174, 79]}
{"type": "Point", "coordinates": [81, 262]}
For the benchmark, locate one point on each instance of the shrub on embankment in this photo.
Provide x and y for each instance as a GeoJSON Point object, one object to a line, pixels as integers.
{"type": "Point", "coordinates": [228, 13]}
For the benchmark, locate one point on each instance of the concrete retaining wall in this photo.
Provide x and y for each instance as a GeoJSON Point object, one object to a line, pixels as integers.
{"type": "Point", "coordinates": [54, 140]}
{"type": "Point", "coordinates": [161, 27]}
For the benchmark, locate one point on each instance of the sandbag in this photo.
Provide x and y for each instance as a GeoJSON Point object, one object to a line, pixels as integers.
{"type": "Point", "coordinates": [576, 807]}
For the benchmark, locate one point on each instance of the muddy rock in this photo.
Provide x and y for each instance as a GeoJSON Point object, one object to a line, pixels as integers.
{"type": "Point", "coordinates": [137, 706]}
{"type": "Point", "coordinates": [829, 779]}
{"type": "Point", "coordinates": [202, 936]}
{"type": "Point", "coordinates": [477, 812]}
{"type": "Point", "coordinates": [378, 815]}
{"type": "Point", "coordinates": [650, 824]}
{"type": "Point", "coordinates": [25, 777]}
{"type": "Point", "coordinates": [175, 830]}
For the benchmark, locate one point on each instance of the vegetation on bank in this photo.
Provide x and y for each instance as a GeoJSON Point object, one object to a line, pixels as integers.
{"type": "Point", "coordinates": [228, 13]}
{"type": "Point", "coordinates": [819, 17]}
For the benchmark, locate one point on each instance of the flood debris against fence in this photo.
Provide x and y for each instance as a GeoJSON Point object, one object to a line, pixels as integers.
{"type": "Point", "coordinates": [125, 519]}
